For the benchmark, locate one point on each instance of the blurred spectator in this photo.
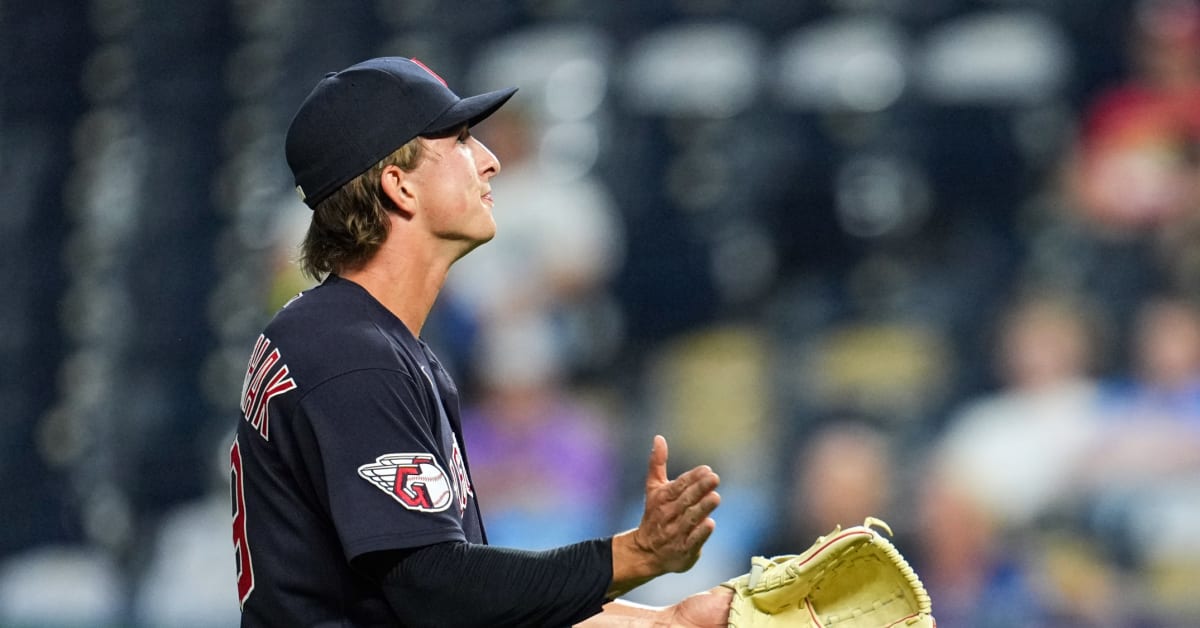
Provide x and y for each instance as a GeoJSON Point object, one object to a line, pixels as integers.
{"type": "Point", "coordinates": [1153, 418]}
{"type": "Point", "coordinates": [541, 458]}
{"type": "Point", "coordinates": [1016, 450]}
{"type": "Point", "coordinates": [1137, 159]}
{"type": "Point", "coordinates": [1004, 468]}
{"type": "Point", "coordinates": [1133, 178]}
{"type": "Point", "coordinates": [844, 473]}
{"type": "Point", "coordinates": [1143, 474]}
{"type": "Point", "coordinates": [975, 578]}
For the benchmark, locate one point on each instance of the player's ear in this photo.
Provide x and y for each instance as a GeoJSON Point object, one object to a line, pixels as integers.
{"type": "Point", "coordinates": [399, 188]}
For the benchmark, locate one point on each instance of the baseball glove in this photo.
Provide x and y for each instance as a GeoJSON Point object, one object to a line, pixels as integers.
{"type": "Point", "coordinates": [852, 578]}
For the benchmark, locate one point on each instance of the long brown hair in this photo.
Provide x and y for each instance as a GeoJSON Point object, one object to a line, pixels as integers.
{"type": "Point", "coordinates": [350, 225]}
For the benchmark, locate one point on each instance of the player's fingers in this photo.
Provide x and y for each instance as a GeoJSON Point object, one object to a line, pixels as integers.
{"type": "Point", "coordinates": [704, 482]}
{"type": "Point", "coordinates": [656, 472]}
{"type": "Point", "coordinates": [699, 511]}
{"type": "Point", "coordinates": [696, 473]}
{"type": "Point", "coordinates": [692, 486]}
{"type": "Point", "coordinates": [677, 522]}
{"type": "Point", "coordinates": [671, 521]}
{"type": "Point", "coordinates": [699, 535]}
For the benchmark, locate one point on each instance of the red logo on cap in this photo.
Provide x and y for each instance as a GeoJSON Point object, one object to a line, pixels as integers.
{"type": "Point", "coordinates": [431, 72]}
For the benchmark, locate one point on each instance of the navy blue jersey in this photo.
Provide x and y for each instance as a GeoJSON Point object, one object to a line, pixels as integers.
{"type": "Point", "coordinates": [348, 443]}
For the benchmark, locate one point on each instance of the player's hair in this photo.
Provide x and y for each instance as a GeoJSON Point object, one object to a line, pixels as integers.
{"type": "Point", "coordinates": [350, 225]}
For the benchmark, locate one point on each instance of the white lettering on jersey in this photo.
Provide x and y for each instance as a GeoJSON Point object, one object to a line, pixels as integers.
{"type": "Point", "coordinates": [266, 378]}
{"type": "Point", "coordinates": [462, 482]}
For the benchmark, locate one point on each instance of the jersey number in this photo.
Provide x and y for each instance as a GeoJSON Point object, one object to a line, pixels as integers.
{"type": "Point", "coordinates": [241, 548]}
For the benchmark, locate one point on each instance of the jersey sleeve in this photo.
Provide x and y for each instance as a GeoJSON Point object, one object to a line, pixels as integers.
{"type": "Point", "coordinates": [376, 459]}
{"type": "Point", "coordinates": [461, 584]}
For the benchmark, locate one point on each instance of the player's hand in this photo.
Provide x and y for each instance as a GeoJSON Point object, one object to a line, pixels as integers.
{"type": "Point", "coordinates": [709, 609]}
{"type": "Point", "coordinates": [675, 523]}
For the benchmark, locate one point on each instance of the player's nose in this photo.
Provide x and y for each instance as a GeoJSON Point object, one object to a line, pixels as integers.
{"type": "Point", "coordinates": [489, 164]}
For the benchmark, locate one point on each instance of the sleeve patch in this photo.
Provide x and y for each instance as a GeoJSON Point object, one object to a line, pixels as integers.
{"type": "Point", "coordinates": [414, 480]}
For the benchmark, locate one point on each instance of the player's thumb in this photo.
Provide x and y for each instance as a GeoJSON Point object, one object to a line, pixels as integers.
{"type": "Point", "coordinates": [656, 473]}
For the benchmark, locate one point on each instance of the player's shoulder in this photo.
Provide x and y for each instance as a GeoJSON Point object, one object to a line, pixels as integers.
{"type": "Point", "coordinates": [338, 327]}
{"type": "Point", "coordinates": [331, 297]}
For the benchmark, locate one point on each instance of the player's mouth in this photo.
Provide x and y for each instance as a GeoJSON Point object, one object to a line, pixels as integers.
{"type": "Point", "coordinates": [487, 198]}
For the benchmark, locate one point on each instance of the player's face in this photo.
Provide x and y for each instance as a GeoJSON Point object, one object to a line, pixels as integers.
{"type": "Point", "coordinates": [454, 179]}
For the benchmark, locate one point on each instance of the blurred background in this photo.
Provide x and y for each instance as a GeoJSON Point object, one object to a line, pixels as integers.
{"type": "Point", "coordinates": [932, 261]}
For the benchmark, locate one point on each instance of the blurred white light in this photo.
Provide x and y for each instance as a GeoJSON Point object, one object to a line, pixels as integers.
{"type": "Point", "coordinates": [872, 81]}
{"type": "Point", "coordinates": [1000, 57]}
{"type": "Point", "coordinates": [562, 69]}
{"type": "Point", "coordinates": [575, 89]}
{"type": "Point", "coordinates": [744, 263]}
{"type": "Point", "coordinates": [879, 196]}
{"type": "Point", "coordinates": [708, 70]}
{"type": "Point", "coordinates": [62, 435]}
{"type": "Point", "coordinates": [112, 191]}
{"type": "Point", "coordinates": [107, 516]}
{"type": "Point", "coordinates": [851, 63]}
{"type": "Point", "coordinates": [569, 150]}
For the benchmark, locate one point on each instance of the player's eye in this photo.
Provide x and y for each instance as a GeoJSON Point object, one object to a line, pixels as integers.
{"type": "Point", "coordinates": [464, 134]}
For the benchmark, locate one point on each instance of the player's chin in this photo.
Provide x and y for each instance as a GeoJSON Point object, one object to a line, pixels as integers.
{"type": "Point", "coordinates": [487, 228]}
{"type": "Point", "coordinates": [474, 242]}
{"type": "Point", "coordinates": [487, 231]}
{"type": "Point", "coordinates": [479, 229]}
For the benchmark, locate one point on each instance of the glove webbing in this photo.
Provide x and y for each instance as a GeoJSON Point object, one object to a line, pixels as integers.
{"type": "Point", "coordinates": [889, 551]}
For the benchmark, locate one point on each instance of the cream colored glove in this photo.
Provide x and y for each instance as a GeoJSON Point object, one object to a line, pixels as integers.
{"type": "Point", "coordinates": [853, 578]}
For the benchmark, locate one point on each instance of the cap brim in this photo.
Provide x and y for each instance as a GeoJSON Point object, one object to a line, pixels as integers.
{"type": "Point", "coordinates": [471, 110]}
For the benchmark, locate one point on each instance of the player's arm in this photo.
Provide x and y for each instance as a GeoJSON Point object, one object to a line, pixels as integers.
{"type": "Point", "coordinates": [477, 585]}
{"type": "Point", "coordinates": [709, 609]}
{"type": "Point", "coordinates": [465, 584]}
{"type": "Point", "coordinates": [482, 585]}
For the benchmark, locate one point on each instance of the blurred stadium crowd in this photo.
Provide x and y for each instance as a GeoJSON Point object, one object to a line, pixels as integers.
{"type": "Point", "coordinates": [933, 261]}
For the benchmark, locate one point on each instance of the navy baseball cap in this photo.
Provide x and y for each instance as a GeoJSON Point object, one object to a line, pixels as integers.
{"type": "Point", "coordinates": [354, 118]}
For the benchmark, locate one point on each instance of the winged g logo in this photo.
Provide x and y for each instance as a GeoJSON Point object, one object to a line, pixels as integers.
{"type": "Point", "coordinates": [414, 480]}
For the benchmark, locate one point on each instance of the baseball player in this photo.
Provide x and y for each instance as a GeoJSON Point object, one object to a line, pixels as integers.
{"type": "Point", "coordinates": [352, 496]}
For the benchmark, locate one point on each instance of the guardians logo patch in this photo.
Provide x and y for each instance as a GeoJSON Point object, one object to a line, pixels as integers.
{"type": "Point", "coordinates": [414, 480]}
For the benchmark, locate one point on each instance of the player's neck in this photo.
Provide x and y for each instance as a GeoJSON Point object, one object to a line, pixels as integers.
{"type": "Point", "coordinates": [405, 281]}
